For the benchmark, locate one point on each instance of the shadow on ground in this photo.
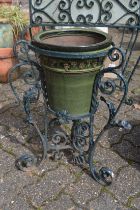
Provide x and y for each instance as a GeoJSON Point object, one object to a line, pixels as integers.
{"type": "Point", "coordinates": [123, 142]}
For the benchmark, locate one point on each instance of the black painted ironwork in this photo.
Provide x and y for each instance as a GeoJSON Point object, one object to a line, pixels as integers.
{"type": "Point", "coordinates": [85, 12]}
{"type": "Point", "coordinates": [81, 140]}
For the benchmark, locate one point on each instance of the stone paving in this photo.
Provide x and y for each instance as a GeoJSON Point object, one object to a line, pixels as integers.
{"type": "Point", "coordinates": [59, 185]}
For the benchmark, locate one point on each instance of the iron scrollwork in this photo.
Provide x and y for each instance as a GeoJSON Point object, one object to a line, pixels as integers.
{"type": "Point", "coordinates": [59, 142]}
{"type": "Point", "coordinates": [76, 141]}
{"type": "Point", "coordinates": [86, 12]}
{"type": "Point", "coordinates": [30, 77]}
{"type": "Point", "coordinates": [79, 136]}
{"type": "Point", "coordinates": [107, 11]}
{"type": "Point", "coordinates": [31, 96]}
{"type": "Point", "coordinates": [134, 4]}
{"type": "Point", "coordinates": [81, 5]}
{"type": "Point", "coordinates": [64, 8]}
{"type": "Point", "coordinates": [93, 12]}
{"type": "Point", "coordinates": [108, 87]}
{"type": "Point", "coordinates": [129, 12]}
{"type": "Point", "coordinates": [38, 2]}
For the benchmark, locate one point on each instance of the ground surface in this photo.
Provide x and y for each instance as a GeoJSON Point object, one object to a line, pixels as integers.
{"type": "Point", "coordinates": [59, 185]}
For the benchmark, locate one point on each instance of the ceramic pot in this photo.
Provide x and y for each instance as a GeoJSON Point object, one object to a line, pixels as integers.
{"type": "Point", "coordinates": [71, 60]}
{"type": "Point", "coordinates": [5, 2]}
{"type": "Point", "coordinates": [34, 31]}
{"type": "Point", "coordinates": [7, 61]}
{"type": "Point", "coordinates": [6, 34]}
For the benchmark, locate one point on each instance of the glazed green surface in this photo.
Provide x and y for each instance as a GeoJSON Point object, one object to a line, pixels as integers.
{"type": "Point", "coordinates": [6, 36]}
{"type": "Point", "coordinates": [70, 92]}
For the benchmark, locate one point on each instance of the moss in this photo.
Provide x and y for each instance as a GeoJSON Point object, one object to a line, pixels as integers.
{"type": "Point", "coordinates": [120, 169]}
{"type": "Point", "coordinates": [1, 146]}
{"type": "Point", "coordinates": [10, 151]}
{"type": "Point", "coordinates": [106, 190]}
{"type": "Point", "coordinates": [130, 162]}
{"type": "Point", "coordinates": [78, 176]}
{"type": "Point", "coordinates": [130, 199]}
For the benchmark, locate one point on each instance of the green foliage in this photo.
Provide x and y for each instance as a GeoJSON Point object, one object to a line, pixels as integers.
{"type": "Point", "coordinates": [14, 16]}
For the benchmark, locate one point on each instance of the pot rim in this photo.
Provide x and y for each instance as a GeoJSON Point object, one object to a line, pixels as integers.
{"type": "Point", "coordinates": [67, 31]}
{"type": "Point", "coordinates": [70, 55]}
{"type": "Point", "coordinates": [4, 21]}
{"type": "Point", "coordinates": [6, 53]}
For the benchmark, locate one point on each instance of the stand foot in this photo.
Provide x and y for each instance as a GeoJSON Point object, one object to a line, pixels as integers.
{"type": "Point", "coordinates": [24, 162]}
{"type": "Point", "coordinates": [104, 175]}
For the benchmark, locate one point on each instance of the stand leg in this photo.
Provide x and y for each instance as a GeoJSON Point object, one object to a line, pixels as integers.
{"type": "Point", "coordinates": [25, 161]}
{"type": "Point", "coordinates": [105, 175]}
{"type": "Point", "coordinates": [106, 88]}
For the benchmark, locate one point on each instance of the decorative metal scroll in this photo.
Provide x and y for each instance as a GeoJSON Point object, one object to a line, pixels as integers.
{"type": "Point", "coordinates": [85, 12]}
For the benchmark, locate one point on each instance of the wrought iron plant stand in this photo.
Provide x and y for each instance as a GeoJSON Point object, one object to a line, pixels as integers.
{"type": "Point", "coordinates": [92, 13]}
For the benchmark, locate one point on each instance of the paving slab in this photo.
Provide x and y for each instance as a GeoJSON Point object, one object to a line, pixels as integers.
{"type": "Point", "coordinates": [49, 187]}
{"type": "Point", "coordinates": [136, 202]}
{"type": "Point", "coordinates": [83, 190]}
{"type": "Point", "coordinates": [18, 203]}
{"type": "Point", "coordinates": [113, 136]}
{"type": "Point", "coordinates": [134, 136]}
{"type": "Point", "coordinates": [106, 201]}
{"type": "Point", "coordinates": [12, 184]}
{"type": "Point", "coordinates": [126, 185]}
{"type": "Point", "coordinates": [107, 158]}
{"type": "Point", "coordinates": [127, 151]}
{"type": "Point", "coordinates": [7, 162]}
{"type": "Point", "coordinates": [62, 203]}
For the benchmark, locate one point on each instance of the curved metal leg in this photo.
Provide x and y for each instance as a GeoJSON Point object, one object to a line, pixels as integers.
{"type": "Point", "coordinates": [30, 77]}
{"type": "Point", "coordinates": [105, 175]}
{"type": "Point", "coordinates": [25, 161]}
{"type": "Point", "coordinates": [106, 87]}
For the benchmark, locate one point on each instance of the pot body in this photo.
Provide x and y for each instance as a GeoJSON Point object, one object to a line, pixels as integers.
{"type": "Point", "coordinates": [69, 83]}
{"type": "Point", "coordinates": [5, 1]}
{"type": "Point", "coordinates": [6, 35]}
{"type": "Point", "coordinates": [69, 70]}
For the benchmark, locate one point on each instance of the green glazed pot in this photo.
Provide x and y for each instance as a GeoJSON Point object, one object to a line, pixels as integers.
{"type": "Point", "coordinates": [6, 35]}
{"type": "Point", "coordinates": [74, 57]}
